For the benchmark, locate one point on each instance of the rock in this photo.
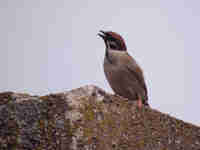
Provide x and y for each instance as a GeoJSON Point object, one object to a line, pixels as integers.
{"type": "Point", "coordinates": [88, 118]}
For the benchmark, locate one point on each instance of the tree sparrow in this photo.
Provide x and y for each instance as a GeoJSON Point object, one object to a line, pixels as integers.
{"type": "Point", "coordinates": [122, 71]}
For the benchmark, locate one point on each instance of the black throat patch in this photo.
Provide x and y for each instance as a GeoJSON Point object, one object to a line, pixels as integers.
{"type": "Point", "coordinates": [108, 57]}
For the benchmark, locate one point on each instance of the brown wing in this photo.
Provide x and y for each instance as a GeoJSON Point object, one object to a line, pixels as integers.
{"type": "Point", "coordinates": [137, 74]}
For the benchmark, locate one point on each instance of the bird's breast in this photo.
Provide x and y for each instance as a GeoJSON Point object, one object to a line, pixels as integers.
{"type": "Point", "coordinates": [110, 68]}
{"type": "Point", "coordinates": [114, 66]}
{"type": "Point", "coordinates": [113, 72]}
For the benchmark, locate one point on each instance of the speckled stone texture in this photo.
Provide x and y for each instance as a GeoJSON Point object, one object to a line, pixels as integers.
{"type": "Point", "coordinates": [88, 118]}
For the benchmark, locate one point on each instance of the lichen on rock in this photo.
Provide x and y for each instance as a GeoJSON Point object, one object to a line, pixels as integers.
{"type": "Point", "coordinates": [88, 118]}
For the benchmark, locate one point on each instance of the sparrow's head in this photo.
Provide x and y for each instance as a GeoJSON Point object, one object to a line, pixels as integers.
{"type": "Point", "coordinates": [113, 40]}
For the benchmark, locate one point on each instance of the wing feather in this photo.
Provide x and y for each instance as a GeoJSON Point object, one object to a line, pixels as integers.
{"type": "Point", "coordinates": [137, 76]}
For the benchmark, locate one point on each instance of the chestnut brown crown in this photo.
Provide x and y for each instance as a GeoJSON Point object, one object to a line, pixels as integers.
{"type": "Point", "coordinates": [113, 40]}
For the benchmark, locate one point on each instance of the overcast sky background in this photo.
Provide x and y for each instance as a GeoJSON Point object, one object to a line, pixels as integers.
{"type": "Point", "coordinates": [52, 46]}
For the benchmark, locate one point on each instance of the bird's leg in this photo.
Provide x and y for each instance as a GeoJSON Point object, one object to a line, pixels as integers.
{"type": "Point", "coordinates": [139, 102]}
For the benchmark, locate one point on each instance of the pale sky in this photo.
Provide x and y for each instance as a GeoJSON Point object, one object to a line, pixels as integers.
{"type": "Point", "coordinates": [52, 46]}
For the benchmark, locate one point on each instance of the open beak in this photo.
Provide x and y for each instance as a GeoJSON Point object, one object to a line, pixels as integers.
{"type": "Point", "coordinates": [102, 34]}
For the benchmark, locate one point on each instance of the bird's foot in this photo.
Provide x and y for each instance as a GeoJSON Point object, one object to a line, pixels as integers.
{"type": "Point", "coordinates": [139, 103]}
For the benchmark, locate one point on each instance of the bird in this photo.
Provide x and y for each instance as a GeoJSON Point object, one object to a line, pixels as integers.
{"type": "Point", "coordinates": [122, 72]}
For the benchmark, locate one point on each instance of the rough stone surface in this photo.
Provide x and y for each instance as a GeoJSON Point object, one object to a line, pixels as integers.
{"type": "Point", "coordinates": [88, 118]}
